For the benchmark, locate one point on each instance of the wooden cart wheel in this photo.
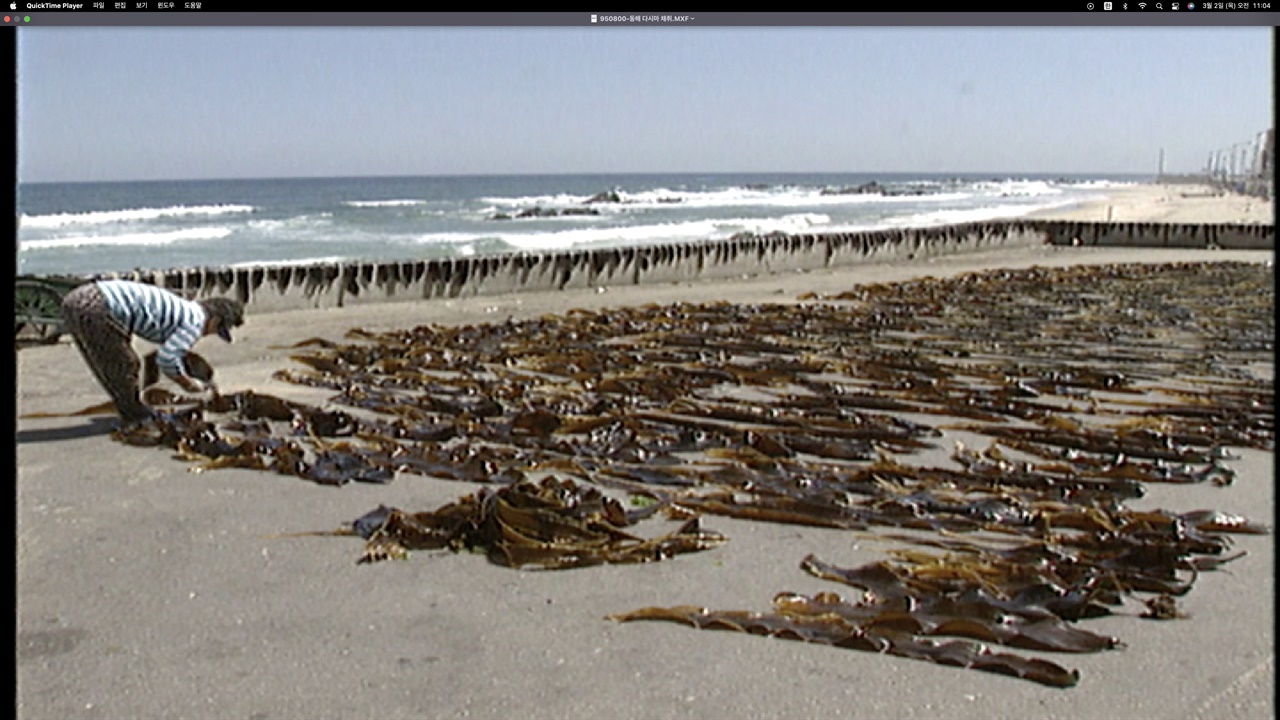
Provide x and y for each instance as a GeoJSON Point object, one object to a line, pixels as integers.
{"type": "Point", "coordinates": [38, 306]}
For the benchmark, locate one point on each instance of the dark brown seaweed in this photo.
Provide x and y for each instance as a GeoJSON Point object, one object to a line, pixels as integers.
{"type": "Point", "coordinates": [832, 629]}
{"type": "Point", "coordinates": [556, 524]}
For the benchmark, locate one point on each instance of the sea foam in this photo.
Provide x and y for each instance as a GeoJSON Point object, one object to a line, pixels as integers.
{"type": "Point", "coordinates": [152, 238]}
{"type": "Point", "coordinates": [104, 217]}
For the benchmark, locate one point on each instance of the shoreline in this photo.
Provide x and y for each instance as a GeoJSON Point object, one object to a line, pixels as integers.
{"type": "Point", "coordinates": [1168, 203]}
{"type": "Point", "coordinates": [341, 285]}
{"type": "Point", "coordinates": [1122, 203]}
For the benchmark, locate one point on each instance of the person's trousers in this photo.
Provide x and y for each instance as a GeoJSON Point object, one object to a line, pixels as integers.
{"type": "Point", "coordinates": [106, 345]}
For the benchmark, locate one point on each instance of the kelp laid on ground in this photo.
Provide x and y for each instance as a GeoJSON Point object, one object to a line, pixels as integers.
{"type": "Point", "coordinates": [1022, 594]}
{"type": "Point", "coordinates": [1089, 384]}
{"type": "Point", "coordinates": [554, 524]}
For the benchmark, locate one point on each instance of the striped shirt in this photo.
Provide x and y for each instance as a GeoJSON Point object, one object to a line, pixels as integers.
{"type": "Point", "coordinates": [155, 314]}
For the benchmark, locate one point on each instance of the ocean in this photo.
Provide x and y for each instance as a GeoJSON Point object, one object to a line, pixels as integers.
{"type": "Point", "coordinates": [99, 227]}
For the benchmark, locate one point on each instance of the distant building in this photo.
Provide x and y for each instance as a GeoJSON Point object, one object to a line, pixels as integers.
{"type": "Point", "coordinates": [1262, 179]}
{"type": "Point", "coordinates": [1265, 164]}
{"type": "Point", "coordinates": [1245, 167]}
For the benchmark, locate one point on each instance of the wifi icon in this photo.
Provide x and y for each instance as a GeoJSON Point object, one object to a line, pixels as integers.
{"type": "Point", "coordinates": [1142, 6]}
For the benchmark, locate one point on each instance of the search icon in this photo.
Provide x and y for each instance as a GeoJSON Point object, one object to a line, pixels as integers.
{"type": "Point", "coordinates": [1158, 6]}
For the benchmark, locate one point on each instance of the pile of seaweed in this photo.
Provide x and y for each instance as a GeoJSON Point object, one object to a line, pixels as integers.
{"type": "Point", "coordinates": [1088, 383]}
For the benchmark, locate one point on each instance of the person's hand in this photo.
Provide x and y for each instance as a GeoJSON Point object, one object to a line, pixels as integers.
{"type": "Point", "coordinates": [191, 385]}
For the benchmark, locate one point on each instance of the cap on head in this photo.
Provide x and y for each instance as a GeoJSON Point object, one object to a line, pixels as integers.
{"type": "Point", "coordinates": [226, 313]}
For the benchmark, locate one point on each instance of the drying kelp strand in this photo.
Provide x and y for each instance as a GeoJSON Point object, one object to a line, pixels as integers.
{"type": "Point", "coordinates": [554, 524]}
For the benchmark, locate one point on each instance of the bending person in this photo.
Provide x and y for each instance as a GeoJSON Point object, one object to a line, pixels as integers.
{"type": "Point", "coordinates": [103, 316]}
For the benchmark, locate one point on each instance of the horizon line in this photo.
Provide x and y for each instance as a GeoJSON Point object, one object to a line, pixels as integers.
{"type": "Point", "coordinates": [999, 174]}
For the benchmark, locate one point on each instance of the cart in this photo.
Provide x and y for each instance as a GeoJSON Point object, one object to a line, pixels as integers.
{"type": "Point", "coordinates": [37, 305]}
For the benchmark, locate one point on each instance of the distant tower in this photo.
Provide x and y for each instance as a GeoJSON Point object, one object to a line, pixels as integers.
{"type": "Point", "coordinates": [1268, 152]}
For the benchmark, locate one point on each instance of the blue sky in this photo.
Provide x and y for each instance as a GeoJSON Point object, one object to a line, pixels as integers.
{"type": "Point", "coordinates": [187, 103]}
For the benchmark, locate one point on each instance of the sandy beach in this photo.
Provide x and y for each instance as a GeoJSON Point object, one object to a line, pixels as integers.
{"type": "Point", "coordinates": [148, 591]}
{"type": "Point", "coordinates": [1170, 204]}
